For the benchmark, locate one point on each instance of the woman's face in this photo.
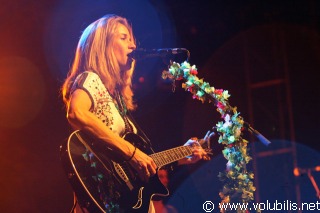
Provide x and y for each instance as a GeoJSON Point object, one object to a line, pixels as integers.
{"type": "Point", "coordinates": [122, 46]}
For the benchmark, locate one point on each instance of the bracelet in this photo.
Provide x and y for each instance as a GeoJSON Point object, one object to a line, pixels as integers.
{"type": "Point", "coordinates": [134, 152]}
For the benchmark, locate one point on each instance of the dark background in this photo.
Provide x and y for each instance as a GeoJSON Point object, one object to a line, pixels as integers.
{"type": "Point", "coordinates": [225, 39]}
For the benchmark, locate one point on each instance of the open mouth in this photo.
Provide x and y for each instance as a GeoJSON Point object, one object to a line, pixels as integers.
{"type": "Point", "coordinates": [131, 55]}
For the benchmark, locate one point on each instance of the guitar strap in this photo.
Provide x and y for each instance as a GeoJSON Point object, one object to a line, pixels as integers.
{"type": "Point", "coordinates": [122, 108]}
{"type": "Point", "coordinates": [141, 132]}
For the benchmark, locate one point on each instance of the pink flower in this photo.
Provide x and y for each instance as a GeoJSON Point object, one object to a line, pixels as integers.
{"type": "Point", "coordinates": [221, 106]}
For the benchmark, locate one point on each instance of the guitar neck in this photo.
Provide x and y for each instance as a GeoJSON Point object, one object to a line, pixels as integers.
{"type": "Point", "coordinates": [171, 155]}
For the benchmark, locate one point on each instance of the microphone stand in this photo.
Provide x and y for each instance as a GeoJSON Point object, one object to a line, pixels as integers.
{"type": "Point", "coordinates": [237, 165]}
{"type": "Point", "coordinates": [258, 135]}
{"type": "Point", "coordinates": [167, 59]}
{"type": "Point", "coordinates": [246, 125]}
{"type": "Point", "coordinates": [310, 176]}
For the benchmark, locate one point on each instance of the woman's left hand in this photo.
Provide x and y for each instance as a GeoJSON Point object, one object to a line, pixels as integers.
{"type": "Point", "coordinates": [198, 152]}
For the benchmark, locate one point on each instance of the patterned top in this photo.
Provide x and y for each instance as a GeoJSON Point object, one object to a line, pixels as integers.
{"type": "Point", "coordinates": [103, 105]}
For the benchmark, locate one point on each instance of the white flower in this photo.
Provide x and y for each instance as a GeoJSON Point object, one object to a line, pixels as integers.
{"type": "Point", "coordinates": [225, 94]}
{"type": "Point", "coordinates": [227, 122]}
{"type": "Point", "coordinates": [231, 139]}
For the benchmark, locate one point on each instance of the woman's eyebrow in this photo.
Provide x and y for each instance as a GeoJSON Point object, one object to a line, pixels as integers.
{"type": "Point", "coordinates": [123, 34]}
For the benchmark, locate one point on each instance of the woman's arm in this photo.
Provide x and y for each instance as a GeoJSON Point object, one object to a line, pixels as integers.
{"type": "Point", "coordinates": [80, 117]}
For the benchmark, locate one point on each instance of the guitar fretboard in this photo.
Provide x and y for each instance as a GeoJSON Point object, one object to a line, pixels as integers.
{"type": "Point", "coordinates": [171, 155]}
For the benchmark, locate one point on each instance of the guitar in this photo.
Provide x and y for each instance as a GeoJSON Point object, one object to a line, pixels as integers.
{"type": "Point", "coordinates": [103, 184]}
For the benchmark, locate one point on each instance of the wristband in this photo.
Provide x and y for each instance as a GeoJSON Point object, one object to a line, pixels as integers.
{"type": "Point", "coordinates": [134, 152]}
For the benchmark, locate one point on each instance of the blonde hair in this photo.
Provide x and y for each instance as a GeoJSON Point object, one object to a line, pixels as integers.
{"type": "Point", "coordinates": [95, 53]}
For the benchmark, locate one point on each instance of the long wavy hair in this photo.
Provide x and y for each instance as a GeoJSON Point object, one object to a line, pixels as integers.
{"type": "Point", "coordinates": [95, 53]}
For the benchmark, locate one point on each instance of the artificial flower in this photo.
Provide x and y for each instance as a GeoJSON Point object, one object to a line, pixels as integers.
{"type": "Point", "coordinates": [238, 186]}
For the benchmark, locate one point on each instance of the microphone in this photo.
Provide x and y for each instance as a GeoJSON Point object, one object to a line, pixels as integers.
{"type": "Point", "coordinates": [299, 171]}
{"type": "Point", "coordinates": [141, 53]}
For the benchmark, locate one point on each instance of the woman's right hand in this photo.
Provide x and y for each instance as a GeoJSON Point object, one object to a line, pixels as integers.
{"type": "Point", "coordinates": [143, 164]}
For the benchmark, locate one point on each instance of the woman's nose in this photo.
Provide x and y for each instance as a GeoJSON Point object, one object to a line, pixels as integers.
{"type": "Point", "coordinates": [132, 45]}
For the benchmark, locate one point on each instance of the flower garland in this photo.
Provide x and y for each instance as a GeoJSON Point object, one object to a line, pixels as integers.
{"type": "Point", "coordinates": [238, 185]}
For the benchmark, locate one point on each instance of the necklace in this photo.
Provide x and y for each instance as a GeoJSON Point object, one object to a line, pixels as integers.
{"type": "Point", "coordinates": [122, 109]}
